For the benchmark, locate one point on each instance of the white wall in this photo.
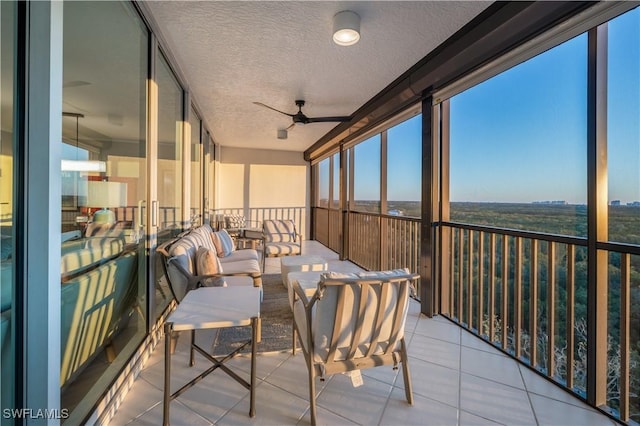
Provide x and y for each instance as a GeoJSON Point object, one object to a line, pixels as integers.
{"type": "Point", "coordinates": [256, 179]}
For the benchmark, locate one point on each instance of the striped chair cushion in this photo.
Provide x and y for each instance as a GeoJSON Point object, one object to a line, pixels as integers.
{"type": "Point", "coordinates": [223, 242]}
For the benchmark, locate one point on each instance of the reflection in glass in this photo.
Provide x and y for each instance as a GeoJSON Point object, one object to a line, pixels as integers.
{"type": "Point", "coordinates": [323, 182]}
{"type": "Point", "coordinates": [169, 149]}
{"type": "Point", "coordinates": [404, 168]}
{"type": "Point", "coordinates": [170, 187]}
{"type": "Point", "coordinates": [7, 205]}
{"type": "Point", "coordinates": [366, 177]}
{"type": "Point", "coordinates": [518, 145]}
{"type": "Point", "coordinates": [196, 169]}
{"type": "Point", "coordinates": [103, 270]}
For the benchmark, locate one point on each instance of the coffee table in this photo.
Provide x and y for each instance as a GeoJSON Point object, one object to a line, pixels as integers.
{"type": "Point", "coordinates": [208, 308]}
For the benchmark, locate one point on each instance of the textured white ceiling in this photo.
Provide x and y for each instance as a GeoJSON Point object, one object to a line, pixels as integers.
{"type": "Point", "coordinates": [234, 53]}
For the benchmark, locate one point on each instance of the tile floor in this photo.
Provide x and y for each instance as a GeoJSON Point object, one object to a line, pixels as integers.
{"type": "Point", "coordinates": [457, 380]}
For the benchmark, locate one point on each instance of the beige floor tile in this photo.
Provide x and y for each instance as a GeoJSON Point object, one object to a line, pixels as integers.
{"type": "Point", "coordinates": [385, 374]}
{"type": "Point", "coordinates": [292, 377]}
{"type": "Point", "coordinates": [435, 381]}
{"type": "Point", "coordinates": [468, 419]}
{"type": "Point", "coordinates": [179, 415]}
{"type": "Point", "coordinates": [470, 340]}
{"type": "Point", "coordinates": [423, 411]}
{"type": "Point", "coordinates": [274, 406]}
{"type": "Point", "coordinates": [538, 385]}
{"type": "Point", "coordinates": [181, 373]}
{"type": "Point", "coordinates": [265, 363]}
{"type": "Point", "coordinates": [437, 329]}
{"type": "Point", "coordinates": [494, 401]}
{"type": "Point", "coordinates": [436, 351]}
{"type": "Point", "coordinates": [555, 413]}
{"type": "Point", "coordinates": [497, 368]}
{"type": "Point", "coordinates": [141, 397]}
{"type": "Point", "coordinates": [215, 395]}
{"type": "Point", "coordinates": [325, 417]}
{"type": "Point", "coordinates": [363, 405]}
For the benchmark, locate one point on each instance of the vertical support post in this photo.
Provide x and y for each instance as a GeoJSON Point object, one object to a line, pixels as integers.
{"type": "Point", "coordinates": [625, 337]}
{"type": "Point", "coordinates": [480, 309]}
{"type": "Point", "coordinates": [384, 235]}
{"type": "Point", "coordinates": [551, 308]}
{"type": "Point", "coordinates": [40, 196]}
{"type": "Point", "coordinates": [344, 226]}
{"type": "Point", "coordinates": [571, 280]}
{"type": "Point", "coordinates": [533, 304]}
{"type": "Point", "coordinates": [186, 159]}
{"type": "Point", "coordinates": [313, 200]}
{"type": "Point", "coordinates": [492, 286]}
{"type": "Point", "coordinates": [151, 230]}
{"type": "Point", "coordinates": [504, 311]}
{"type": "Point", "coordinates": [441, 181]}
{"type": "Point", "coordinates": [597, 211]}
{"type": "Point", "coordinates": [517, 299]}
{"type": "Point", "coordinates": [470, 281]}
{"type": "Point", "coordinates": [427, 285]}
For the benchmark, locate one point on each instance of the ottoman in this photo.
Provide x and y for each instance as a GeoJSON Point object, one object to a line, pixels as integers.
{"type": "Point", "coordinates": [300, 264]}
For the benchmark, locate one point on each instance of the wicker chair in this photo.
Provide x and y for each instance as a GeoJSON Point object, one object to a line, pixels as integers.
{"type": "Point", "coordinates": [354, 323]}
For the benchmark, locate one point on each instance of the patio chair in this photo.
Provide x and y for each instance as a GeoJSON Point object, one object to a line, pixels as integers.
{"type": "Point", "coordinates": [354, 322]}
{"type": "Point", "coordinates": [280, 239]}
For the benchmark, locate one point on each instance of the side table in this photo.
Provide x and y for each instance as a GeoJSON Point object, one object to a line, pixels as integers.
{"type": "Point", "coordinates": [207, 308]}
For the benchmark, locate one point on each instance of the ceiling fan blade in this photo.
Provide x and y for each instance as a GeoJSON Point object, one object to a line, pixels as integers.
{"type": "Point", "coordinates": [277, 110]}
{"type": "Point", "coordinates": [327, 119]}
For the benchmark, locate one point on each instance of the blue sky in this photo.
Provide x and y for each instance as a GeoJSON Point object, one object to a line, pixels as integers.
{"type": "Point", "coordinates": [521, 136]}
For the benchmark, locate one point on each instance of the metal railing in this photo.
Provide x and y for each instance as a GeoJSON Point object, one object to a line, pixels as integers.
{"type": "Point", "coordinates": [374, 241]}
{"type": "Point", "coordinates": [526, 292]}
{"type": "Point", "coordinates": [328, 227]}
{"type": "Point", "coordinates": [260, 214]}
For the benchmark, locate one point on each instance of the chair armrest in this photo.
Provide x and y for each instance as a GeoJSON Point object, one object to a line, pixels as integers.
{"type": "Point", "coordinates": [299, 292]}
{"type": "Point", "coordinates": [254, 275]}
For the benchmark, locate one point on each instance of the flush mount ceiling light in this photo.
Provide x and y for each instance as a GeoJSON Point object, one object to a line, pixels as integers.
{"type": "Point", "coordinates": [346, 28]}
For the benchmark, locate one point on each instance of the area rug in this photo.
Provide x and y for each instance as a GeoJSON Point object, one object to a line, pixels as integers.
{"type": "Point", "coordinates": [276, 322]}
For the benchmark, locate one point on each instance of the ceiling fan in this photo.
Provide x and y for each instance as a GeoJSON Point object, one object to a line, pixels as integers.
{"type": "Point", "coordinates": [300, 118]}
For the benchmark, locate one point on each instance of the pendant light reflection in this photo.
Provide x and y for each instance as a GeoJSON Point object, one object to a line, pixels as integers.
{"type": "Point", "coordinates": [81, 165]}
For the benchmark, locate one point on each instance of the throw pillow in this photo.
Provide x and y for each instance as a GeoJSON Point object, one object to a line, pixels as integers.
{"type": "Point", "coordinates": [223, 243]}
{"type": "Point", "coordinates": [234, 221]}
{"type": "Point", "coordinates": [217, 244]}
{"type": "Point", "coordinates": [207, 263]}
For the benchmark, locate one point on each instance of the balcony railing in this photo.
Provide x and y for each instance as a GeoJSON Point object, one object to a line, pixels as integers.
{"type": "Point", "coordinates": [526, 293]}
{"type": "Point", "coordinates": [260, 214]}
{"type": "Point", "coordinates": [375, 241]}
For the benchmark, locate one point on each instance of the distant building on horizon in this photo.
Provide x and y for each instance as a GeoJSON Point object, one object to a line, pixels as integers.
{"type": "Point", "coordinates": [615, 202]}
{"type": "Point", "coordinates": [557, 202]}
{"type": "Point", "coordinates": [634, 204]}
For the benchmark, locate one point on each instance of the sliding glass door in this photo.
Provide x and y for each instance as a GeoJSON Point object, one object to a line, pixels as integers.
{"type": "Point", "coordinates": [104, 189]}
